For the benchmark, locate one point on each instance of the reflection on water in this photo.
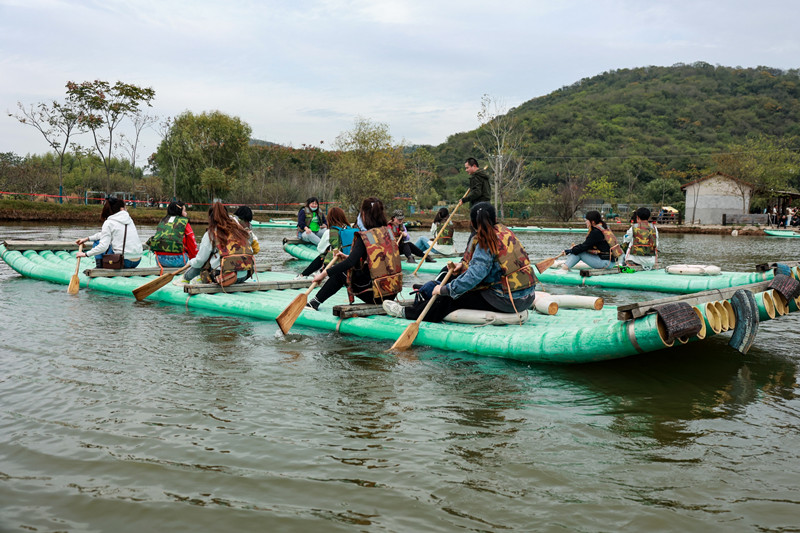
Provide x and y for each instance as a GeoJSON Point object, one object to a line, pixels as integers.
{"type": "Point", "coordinates": [129, 417]}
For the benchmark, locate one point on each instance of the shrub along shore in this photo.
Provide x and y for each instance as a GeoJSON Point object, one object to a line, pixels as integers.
{"type": "Point", "coordinates": [27, 211]}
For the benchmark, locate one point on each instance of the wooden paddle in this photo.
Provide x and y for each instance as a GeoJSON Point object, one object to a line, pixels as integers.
{"type": "Point", "coordinates": [405, 340]}
{"type": "Point", "coordinates": [289, 315]}
{"type": "Point", "coordinates": [152, 286]}
{"type": "Point", "coordinates": [541, 266]}
{"type": "Point", "coordinates": [444, 226]}
{"type": "Point", "coordinates": [74, 281]}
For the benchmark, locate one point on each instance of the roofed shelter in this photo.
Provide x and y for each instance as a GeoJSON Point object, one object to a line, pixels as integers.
{"type": "Point", "coordinates": [712, 196]}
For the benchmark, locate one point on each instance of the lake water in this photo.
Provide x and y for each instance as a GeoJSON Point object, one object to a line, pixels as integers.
{"type": "Point", "coordinates": [122, 416]}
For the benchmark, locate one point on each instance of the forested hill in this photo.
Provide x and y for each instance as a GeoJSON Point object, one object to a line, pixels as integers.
{"type": "Point", "coordinates": [665, 114]}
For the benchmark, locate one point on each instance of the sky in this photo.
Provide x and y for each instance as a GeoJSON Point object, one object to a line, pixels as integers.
{"type": "Point", "coordinates": [302, 71]}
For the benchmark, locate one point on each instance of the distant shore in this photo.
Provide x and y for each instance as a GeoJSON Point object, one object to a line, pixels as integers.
{"type": "Point", "coordinates": [26, 211]}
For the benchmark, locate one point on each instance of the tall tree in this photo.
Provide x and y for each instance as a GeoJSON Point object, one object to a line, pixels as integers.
{"type": "Point", "coordinates": [370, 165]}
{"type": "Point", "coordinates": [57, 122]}
{"type": "Point", "coordinates": [103, 107]}
{"type": "Point", "coordinates": [499, 138]}
{"type": "Point", "coordinates": [194, 143]}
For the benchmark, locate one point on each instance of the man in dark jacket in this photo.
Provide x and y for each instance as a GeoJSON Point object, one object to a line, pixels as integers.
{"type": "Point", "coordinates": [479, 188]}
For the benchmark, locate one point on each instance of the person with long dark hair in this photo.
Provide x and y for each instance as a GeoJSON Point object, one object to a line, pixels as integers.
{"type": "Point", "coordinates": [225, 255]}
{"type": "Point", "coordinates": [173, 243]}
{"type": "Point", "coordinates": [337, 224]}
{"type": "Point", "coordinates": [599, 250]}
{"type": "Point", "coordinates": [495, 274]}
{"type": "Point", "coordinates": [311, 222]}
{"type": "Point", "coordinates": [117, 236]}
{"type": "Point", "coordinates": [372, 271]}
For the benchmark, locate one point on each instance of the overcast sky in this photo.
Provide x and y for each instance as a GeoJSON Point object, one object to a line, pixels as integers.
{"type": "Point", "coordinates": [300, 71]}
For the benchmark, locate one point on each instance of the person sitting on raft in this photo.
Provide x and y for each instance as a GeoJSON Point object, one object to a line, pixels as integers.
{"type": "Point", "coordinates": [599, 248]}
{"type": "Point", "coordinates": [642, 240]}
{"type": "Point", "coordinates": [173, 243]}
{"type": "Point", "coordinates": [337, 221]}
{"type": "Point", "coordinates": [372, 271]}
{"type": "Point", "coordinates": [407, 248]}
{"type": "Point", "coordinates": [445, 244]}
{"type": "Point", "coordinates": [495, 274]}
{"type": "Point", "coordinates": [310, 222]}
{"type": "Point", "coordinates": [118, 235]}
{"type": "Point", "coordinates": [244, 216]}
{"type": "Point", "coordinates": [225, 256]}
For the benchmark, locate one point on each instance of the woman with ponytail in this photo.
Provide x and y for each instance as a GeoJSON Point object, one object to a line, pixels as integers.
{"type": "Point", "coordinates": [225, 255]}
{"type": "Point", "coordinates": [372, 271]}
{"type": "Point", "coordinates": [599, 250]}
{"type": "Point", "coordinates": [495, 274]}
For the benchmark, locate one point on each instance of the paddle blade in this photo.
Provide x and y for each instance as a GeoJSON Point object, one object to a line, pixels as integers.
{"type": "Point", "coordinates": [544, 265]}
{"type": "Point", "coordinates": [74, 285]}
{"type": "Point", "coordinates": [288, 316]}
{"type": "Point", "coordinates": [74, 281]}
{"type": "Point", "coordinates": [152, 286]}
{"type": "Point", "coordinates": [405, 340]}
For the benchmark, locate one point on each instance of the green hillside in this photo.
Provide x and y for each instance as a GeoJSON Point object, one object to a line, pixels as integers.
{"type": "Point", "coordinates": [648, 123]}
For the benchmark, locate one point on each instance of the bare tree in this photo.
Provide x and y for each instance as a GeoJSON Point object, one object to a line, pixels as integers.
{"type": "Point", "coordinates": [57, 122]}
{"type": "Point", "coordinates": [500, 139]}
{"type": "Point", "coordinates": [130, 144]}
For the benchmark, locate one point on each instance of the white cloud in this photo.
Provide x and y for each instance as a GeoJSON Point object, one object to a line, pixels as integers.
{"type": "Point", "coordinates": [300, 71]}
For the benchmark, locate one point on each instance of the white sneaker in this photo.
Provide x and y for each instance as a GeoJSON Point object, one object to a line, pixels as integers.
{"type": "Point", "coordinates": [300, 276]}
{"type": "Point", "coordinates": [180, 282]}
{"type": "Point", "coordinates": [394, 309]}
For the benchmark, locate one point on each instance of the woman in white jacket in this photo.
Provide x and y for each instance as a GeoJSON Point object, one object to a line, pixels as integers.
{"type": "Point", "coordinates": [110, 238]}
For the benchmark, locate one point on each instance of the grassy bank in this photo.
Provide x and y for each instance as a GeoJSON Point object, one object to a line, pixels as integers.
{"type": "Point", "coordinates": [26, 211]}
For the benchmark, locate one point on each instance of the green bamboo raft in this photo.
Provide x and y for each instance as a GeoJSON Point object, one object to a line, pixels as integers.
{"type": "Point", "coordinates": [781, 233]}
{"type": "Point", "coordinates": [539, 229]}
{"type": "Point", "coordinates": [653, 280]}
{"type": "Point", "coordinates": [274, 224]}
{"type": "Point", "coordinates": [570, 336]}
{"type": "Point", "coordinates": [657, 280]}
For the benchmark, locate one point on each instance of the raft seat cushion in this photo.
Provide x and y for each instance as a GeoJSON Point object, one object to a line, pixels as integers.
{"type": "Point", "coordinates": [476, 316]}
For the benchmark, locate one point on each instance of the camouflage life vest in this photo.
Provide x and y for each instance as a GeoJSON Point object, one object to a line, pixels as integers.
{"type": "Point", "coordinates": [616, 249]}
{"type": "Point", "coordinates": [234, 257]}
{"type": "Point", "coordinates": [644, 239]}
{"type": "Point", "coordinates": [383, 261]}
{"type": "Point", "coordinates": [516, 272]}
{"type": "Point", "coordinates": [169, 235]}
{"type": "Point", "coordinates": [447, 234]}
{"type": "Point", "coordinates": [312, 219]}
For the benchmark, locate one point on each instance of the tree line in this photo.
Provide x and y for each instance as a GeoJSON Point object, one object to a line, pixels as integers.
{"type": "Point", "coordinates": [632, 136]}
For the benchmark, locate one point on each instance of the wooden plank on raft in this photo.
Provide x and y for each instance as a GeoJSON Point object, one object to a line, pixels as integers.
{"type": "Point", "coordinates": [149, 271]}
{"type": "Point", "coordinates": [587, 272]}
{"type": "Point", "coordinates": [213, 288]}
{"type": "Point", "coordinates": [360, 310]}
{"type": "Point", "coordinates": [765, 267]}
{"type": "Point", "coordinates": [639, 309]}
{"type": "Point", "coordinates": [39, 246]}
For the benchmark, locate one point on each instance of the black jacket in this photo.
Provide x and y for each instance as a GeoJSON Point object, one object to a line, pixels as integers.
{"type": "Point", "coordinates": [479, 188]}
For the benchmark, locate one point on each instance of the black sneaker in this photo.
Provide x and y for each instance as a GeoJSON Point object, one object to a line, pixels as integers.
{"type": "Point", "coordinates": [312, 304]}
{"type": "Point", "coordinates": [410, 259]}
{"type": "Point", "coordinates": [430, 259]}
